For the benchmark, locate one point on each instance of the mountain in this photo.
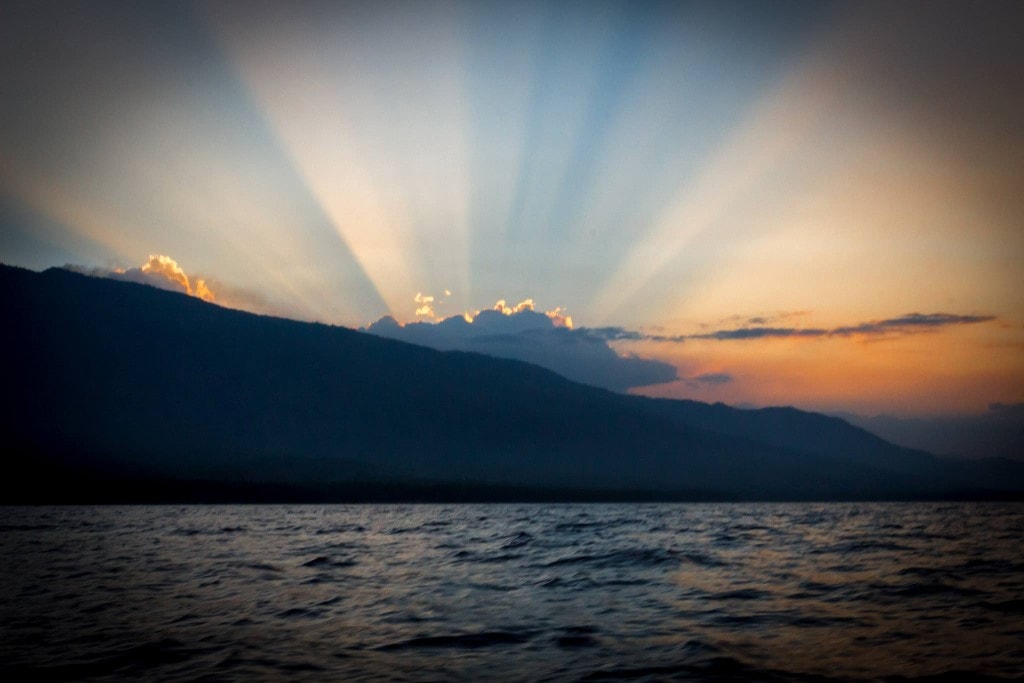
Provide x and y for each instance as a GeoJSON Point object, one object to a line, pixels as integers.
{"type": "Point", "coordinates": [996, 433]}
{"type": "Point", "coordinates": [123, 392]}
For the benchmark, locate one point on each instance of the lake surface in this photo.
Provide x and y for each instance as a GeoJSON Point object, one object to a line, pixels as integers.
{"type": "Point", "coordinates": [512, 592]}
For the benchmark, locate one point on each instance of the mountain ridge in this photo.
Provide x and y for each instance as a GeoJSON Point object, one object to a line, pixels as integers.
{"type": "Point", "coordinates": [128, 383]}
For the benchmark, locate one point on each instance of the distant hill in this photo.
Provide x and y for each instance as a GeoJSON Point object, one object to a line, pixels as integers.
{"type": "Point", "coordinates": [122, 392]}
{"type": "Point", "coordinates": [996, 433]}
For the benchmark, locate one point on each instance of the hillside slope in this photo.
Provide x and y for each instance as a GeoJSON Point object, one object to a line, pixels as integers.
{"type": "Point", "coordinates": [118, 382]}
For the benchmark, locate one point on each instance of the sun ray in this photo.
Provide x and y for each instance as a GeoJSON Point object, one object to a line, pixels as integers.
{"type": "Point", "coordinates": [775, 126]}
{"type": "Point", "coordinates": [392, 179]}
{"type": "Point", "coordinates": [67, 209]}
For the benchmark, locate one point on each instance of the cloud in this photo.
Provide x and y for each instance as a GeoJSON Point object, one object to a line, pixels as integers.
{"type": "Point", "coordinates": [613, 334]}
{"type": "Point", "coordinates": [545, 339]}
{"type": "Point", "coordinates": [559, 317]}
{"type": "Point", "coordinates": [166, 267]}
{"type": "Point", "coordinates": [712, 378]}
{"type": "Point", "coordinates": [164, 272]}
{"type": "Point", "coordinates": [425, 308]}
{"type": "Point", "coordinates": [431, 308]}
{"type": "Point", "coordinates": [525, 305]}
{"type": "Point", "coordinates": [761, 333]}
{"type": "Point", "coordinates": [203, 291]}
{"type": "Point", "coordinates": [159, 271]}
{"type": "Point", "coordinates": [763, 319]}
{"type": "Point", "coordinates": [911, 323]}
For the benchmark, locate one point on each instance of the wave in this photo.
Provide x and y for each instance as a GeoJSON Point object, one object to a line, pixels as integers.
{"type": "Point", "coordinates": [463, 640]}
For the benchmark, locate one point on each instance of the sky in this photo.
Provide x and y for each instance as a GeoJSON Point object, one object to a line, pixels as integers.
{"type": "Point", "coordinates": [791, 203]}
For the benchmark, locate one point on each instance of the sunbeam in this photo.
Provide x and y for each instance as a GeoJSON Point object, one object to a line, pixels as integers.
{"type": "Point", "coordinates": [401, 209]}
{"type": "Point", "coordinates": [777, 124]}
{"type": "Point", "coordinates": [653, 168]}
{"type": "Point", "coordinates": [66, 209]}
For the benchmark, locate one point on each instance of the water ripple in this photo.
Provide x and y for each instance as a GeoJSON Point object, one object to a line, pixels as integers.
{"type": "Point", "coordinates": [786, 592]}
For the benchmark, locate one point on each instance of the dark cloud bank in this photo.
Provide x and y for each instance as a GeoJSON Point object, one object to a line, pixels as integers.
{"type": "Point", "coordinates": [533, 337]}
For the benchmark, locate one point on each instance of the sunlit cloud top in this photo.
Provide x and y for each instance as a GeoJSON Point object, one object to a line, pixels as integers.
{"type": "Point", "coordinates": [523, 333]}
{"type": "Point", "coordinates": [159, 271]}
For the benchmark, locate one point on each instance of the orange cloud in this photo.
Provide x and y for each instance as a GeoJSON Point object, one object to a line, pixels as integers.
{"type": "Point", "coordinates": [159, 271]}
{"type": "Point", "coordinates": [164, 272]}
{"type": "Point", "coordinates": [559, 317]}
{"type": "Point", "coordinates": [425, 308]}
{"type": "Point", "coordinates": [168, 268]}
{"type": "Point", "coordinates": [524, 305]}
{"type": "Point", "coordinates": [203, 291]}
{"type": "Point", "coordinates": [164, 266]}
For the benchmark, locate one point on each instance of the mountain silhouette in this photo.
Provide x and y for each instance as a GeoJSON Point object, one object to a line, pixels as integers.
{"type": "Point", "coordinates": [121, 392]}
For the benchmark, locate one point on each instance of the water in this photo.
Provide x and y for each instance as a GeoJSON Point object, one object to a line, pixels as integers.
{"type": "Point", "coordinates": [512, 592]}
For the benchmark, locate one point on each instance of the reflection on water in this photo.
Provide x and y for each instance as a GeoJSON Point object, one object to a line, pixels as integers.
{"type": "Point", "coordinates": [512, 592]}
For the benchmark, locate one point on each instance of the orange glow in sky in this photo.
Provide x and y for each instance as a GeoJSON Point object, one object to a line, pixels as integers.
{"type": "Point", "coordinates": [665, 171]}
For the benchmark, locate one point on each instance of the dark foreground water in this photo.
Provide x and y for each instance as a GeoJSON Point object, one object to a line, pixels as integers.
{"type": "Point", "coordinates": [512, 592]}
